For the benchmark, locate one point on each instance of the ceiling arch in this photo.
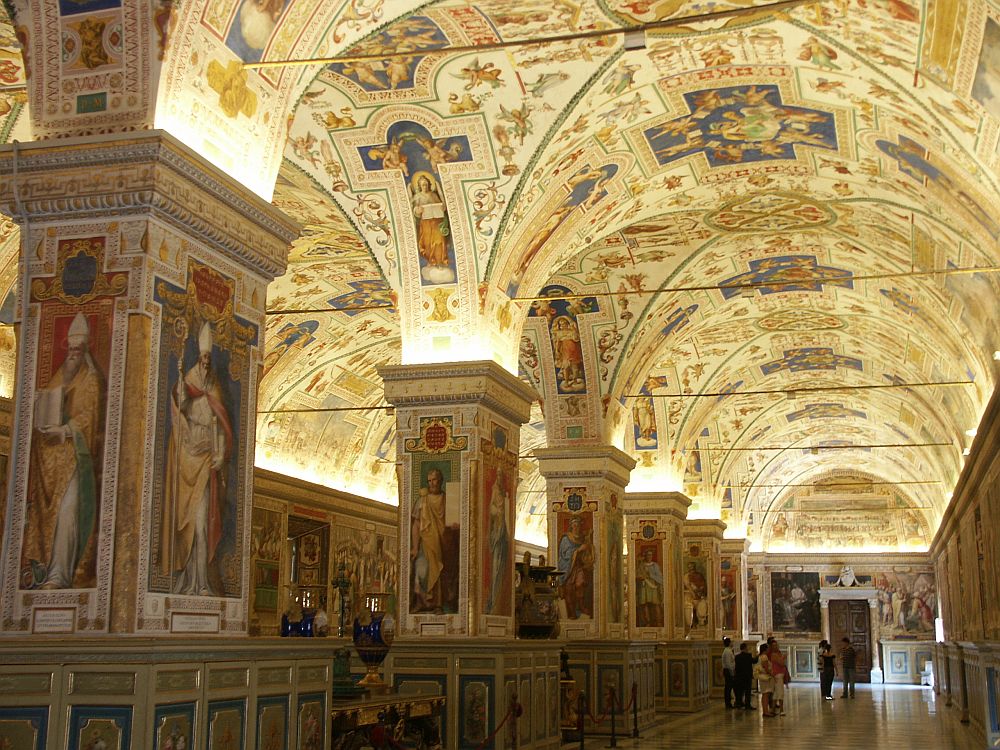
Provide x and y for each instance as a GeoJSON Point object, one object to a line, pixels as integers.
{"type": "Point", "coordinates": [768, 201]}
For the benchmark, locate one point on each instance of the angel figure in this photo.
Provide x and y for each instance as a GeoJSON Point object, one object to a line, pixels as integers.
{"type": "Point", "coordinates": [475, 74]}
{"type": "Point", "coordinates": [521, 125]}
{"type": "Point", "coordinates": [436, 152]}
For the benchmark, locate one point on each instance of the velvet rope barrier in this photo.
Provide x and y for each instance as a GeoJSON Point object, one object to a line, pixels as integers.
{"type": "Point", "coordinates": [516, 709]}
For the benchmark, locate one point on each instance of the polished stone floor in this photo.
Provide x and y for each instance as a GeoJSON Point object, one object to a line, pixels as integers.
{"type": "Point", "coordinates": [880, 717]}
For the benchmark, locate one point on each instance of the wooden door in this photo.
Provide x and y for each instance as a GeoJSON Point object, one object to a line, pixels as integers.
{"type": "Point", "coordinates": [852, 618]}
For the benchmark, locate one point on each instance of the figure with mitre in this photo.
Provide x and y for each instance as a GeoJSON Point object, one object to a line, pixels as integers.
{"type": "Point", "coordinates": [201, 442]}
{"type": "Point", "coordinates": [63, 486]}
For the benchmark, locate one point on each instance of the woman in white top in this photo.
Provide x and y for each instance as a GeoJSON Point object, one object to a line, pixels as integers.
{"type": "Point", "coordinates": [765, 681]}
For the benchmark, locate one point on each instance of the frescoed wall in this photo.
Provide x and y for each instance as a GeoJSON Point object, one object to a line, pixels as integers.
{"type": "Point", "coordinates": [649, 585]}
{"type": "Point", "coordinates": [198, 516]}
{"type": "Point", "coordinates": [576, 560]}
{"type": "Point", "coordinates": [499, 483]}
{"type": "Point", "coordinates": [907, 604]}
{"type": "Point", "coordinates": [695, 584]}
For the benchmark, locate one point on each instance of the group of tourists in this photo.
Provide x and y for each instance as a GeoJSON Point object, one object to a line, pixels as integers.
{"type": "Point", "coordinates": [769, 669]}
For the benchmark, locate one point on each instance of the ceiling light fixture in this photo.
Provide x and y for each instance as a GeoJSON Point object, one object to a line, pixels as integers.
{"type": "Point", "coordinates": [783, 5]}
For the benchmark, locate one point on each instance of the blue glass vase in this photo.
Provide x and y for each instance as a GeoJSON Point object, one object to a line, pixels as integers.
{"type": "Point", "coordinates": [373, 634]}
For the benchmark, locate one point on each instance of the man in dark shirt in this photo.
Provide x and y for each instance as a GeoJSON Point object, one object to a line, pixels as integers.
{"type": "Point", "coordinates": [848, 662]}
{"type": "Point", "coordinates": [744, 678]}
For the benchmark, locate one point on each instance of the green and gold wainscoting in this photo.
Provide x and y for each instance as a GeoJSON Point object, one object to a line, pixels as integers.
{"type": "Point", "coordinates": [145, 695]}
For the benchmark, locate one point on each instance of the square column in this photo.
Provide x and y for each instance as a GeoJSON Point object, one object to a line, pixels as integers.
{"type": "Point", "coordinates": [702, 550]}
{"type": "Point", "coordinates": [457, 438]}
{"type": "Point", "coordinates": [142, 290]}
{"type": "Point", "coordinates": [653, 522]}
{"type": "Point", "coordinates": [586, 487]}
{"type": "Point", "coordinates": [732, 585]}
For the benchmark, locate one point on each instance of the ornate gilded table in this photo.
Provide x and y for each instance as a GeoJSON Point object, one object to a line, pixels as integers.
{"type": "Point", "coordinates": [390, 721]}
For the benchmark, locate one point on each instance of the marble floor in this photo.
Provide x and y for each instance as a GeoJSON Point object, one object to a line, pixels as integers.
{"type": "Point", "coordinates": [880, 717]}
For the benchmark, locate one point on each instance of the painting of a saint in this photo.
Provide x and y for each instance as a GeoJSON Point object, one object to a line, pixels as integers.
{"type": "Point", "coordinates": [645, 423]}
{"type": "Point", "coordinates": [986, 86]}
{"type": "Point", "coordinates": [616, 575]}
{"type": "Point", "coordinates": [753, 620]}
{"type": "Point", "coordinates": [648, 587]}
{"type": "Point", "coordinates": [498, 560]}
{"type": "Point", "coordinates": [200, 446]}
{"type": "Point", "coordinates": [64, 474]}
{"type": "Point", "coordinates": [576, 563]}
{"type": "Point", "coordinates": [695, 592]}
{"type": "Point", "coordinates": [433, 549]}
{"type": "Point", "coordinates": [568, 354]}
{"type": "Point", "coordinates": [420, 158]}
{"type": "Point", "coordinates": [432, 229]}
{"type": "Point", "coordinates": [728, 598]}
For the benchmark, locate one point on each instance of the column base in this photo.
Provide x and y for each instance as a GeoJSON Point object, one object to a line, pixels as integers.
{"type": "Point", "coordinates": [479, 677]}
{"type": "Point", "coordinates": [683, 667]}
{"type": "Point", "coordinates": [597, 665]}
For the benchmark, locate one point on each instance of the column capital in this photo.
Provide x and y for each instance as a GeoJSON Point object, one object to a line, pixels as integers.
{"type": "Point", "coordinates": [144, 173]}
{"type": "Point", "coordinates": [712, 527]}
{"type": "Point", "coordinates": [480, 382]}
{"type": "Point", "coordinates": [738, 546]}
{"type": "Point", "coordinates": [674, 504]}
{"type": "Point", "coordinates": [585, 461]}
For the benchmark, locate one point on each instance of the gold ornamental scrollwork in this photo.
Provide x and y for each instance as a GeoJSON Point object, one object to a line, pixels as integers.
{"type": "Point", "coordinates": [187, 310]}
{"type": "Point", "coordinates": [74, 251]}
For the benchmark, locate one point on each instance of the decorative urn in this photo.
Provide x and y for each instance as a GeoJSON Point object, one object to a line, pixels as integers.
{"type": "Point", "coordinates": [374, 630]}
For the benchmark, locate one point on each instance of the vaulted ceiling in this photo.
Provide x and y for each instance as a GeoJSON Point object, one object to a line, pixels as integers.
{"type": "Point", "coordinates": [741, 252]}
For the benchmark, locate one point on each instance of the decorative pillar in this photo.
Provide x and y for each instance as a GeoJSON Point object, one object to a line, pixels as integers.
{"type": "Point", "coordinates": [702, 547]}
{"type": "Point", "coordinates": [143, 282]}
{"type": "Point", "coordinates": [586, 487]}
{"type": "Point", "coordinates": [824, 618]}
{"type": "Point", "coordinates": [876, 621]}
{"type": "Point", "coordinates": [458, 431]}
{"type": "Point", "coordinates": [653, 524]}
{"type": "Point", "coordinates": [732, 584]}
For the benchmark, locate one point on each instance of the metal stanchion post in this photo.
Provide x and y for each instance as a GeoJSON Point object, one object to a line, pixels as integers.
{"type": "Point", "coordinates": [612, 700]}
{"type": "Point", "coordinates": [581, 712]}
{"type": "Point", "coordinates": [514, 715]}
{"type": "Point", "coordinates": [635, 710]}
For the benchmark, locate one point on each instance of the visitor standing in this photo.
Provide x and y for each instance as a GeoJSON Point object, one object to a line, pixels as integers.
{"type": "Point", "coordinates": [826, 666]}
{"type": "Point", "coordinates": [743, 677]}
{"type": "Point", "coordinates": [848, 663]}
{"type": "Point", "coordinates": [728, 671]}
{"type": "Point", "coordinates": [779, 671]}
{"type": "Point", "coordinates": [765, 682]}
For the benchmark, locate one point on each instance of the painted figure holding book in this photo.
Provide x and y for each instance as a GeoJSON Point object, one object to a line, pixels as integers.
{"type": "Point", "coordinates": [63, 487]}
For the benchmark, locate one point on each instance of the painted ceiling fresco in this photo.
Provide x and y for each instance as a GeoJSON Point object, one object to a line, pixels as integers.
{"type": "Point", "coordinates": [758, 253]}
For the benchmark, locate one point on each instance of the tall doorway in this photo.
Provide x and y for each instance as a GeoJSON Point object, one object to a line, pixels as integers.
{"type": "Point", "coordinates": [852, 618]}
